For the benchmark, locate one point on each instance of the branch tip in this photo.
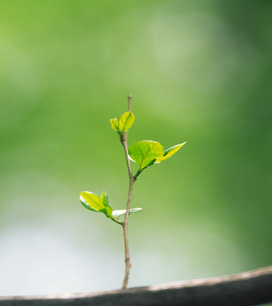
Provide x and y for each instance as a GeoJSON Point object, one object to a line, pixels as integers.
{"type": "Point", "coordinates": [129, 102]}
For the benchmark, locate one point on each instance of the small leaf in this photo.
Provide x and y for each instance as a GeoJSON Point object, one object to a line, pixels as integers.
{"type": "Point", "coordinates": [104, 198]}
{"type": "Point", "coordinates": [95, 203]}
{"type": "Point", "coordinates": [126, 121]}
{"type": "Point", "coordinates": [118, 213]}
{"type": "Point", "coordinates": [145, 153]}
{"type": "Point", "coordinates": [169, 152]}
{"type": "Point", "coordinates": [91, 201]}
{"type": "Point", "coordinates": [114, 124]}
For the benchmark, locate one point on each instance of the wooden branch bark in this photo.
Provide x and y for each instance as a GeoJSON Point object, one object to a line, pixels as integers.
{"type": "Point", "coordinates": [244, 289]}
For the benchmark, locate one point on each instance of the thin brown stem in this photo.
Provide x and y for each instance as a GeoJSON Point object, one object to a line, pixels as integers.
{"type": "Point", "coordinates": [125, 223]}
{"type": "Point", "coordinates": [129, 103]}
{"type": "Point", "coordinates": [125, 229]}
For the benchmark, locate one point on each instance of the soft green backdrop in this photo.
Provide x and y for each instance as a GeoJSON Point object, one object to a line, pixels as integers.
{"type": "Point", "coordinates": [199, 71]}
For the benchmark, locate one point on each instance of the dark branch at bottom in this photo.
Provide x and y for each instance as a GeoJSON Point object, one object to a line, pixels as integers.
{"type": "Point", "coordinates": [244, 289]}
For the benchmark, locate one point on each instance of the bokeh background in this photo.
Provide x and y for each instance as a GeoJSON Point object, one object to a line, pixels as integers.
{"type": "Point", "coordinates": [198, 71]}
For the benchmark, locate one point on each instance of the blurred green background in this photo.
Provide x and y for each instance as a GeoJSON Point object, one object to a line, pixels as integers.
{"type": "Point", "coordinates": [198, 71]}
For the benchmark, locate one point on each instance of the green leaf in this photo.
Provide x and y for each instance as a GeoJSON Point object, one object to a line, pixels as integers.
{"type": "Point", "coordinates": [114, 124]}
{"type": "Point", "coordinates": [126, 121]}
{"type": "Point", "coordinates": [117, 213]}
{"type": "Point", "coordinates": [98, 204]}
{"type": "Point", "coordinates": [145, 153]}
{"type": "Point", "coordinates": [169, 152]}
{"type": "Point", "coordinates": [91, 201]}
{"type": "Point", "coordinates": [104, 198]}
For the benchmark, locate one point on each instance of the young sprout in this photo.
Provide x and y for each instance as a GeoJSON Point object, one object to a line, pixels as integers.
{"type": "Point", "coordinates": [145, 153]}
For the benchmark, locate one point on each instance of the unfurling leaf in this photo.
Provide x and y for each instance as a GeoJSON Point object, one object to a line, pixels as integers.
{"type": "Point", "coordinates": [125, 123]}
{"type": "Point", "coordinates": [117, 213]}
{"type": "Point", "coordinates": [98, 204]}
{"type": "Point", "coordinates": [114, 124]}
{"type": "Point", "coordinates": [147, 152]}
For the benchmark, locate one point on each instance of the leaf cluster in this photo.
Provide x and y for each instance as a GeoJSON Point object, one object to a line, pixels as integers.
{"type": "Point", "coordinates": [124, 124]}
{"type": "Point", "coordinates": [148, 152]}
{"type": "Point", "coordinates": [100, 204]}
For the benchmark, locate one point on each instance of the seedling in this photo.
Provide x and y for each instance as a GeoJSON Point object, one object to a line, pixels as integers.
{"type": "Point", "coordinates": [145, 153]}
